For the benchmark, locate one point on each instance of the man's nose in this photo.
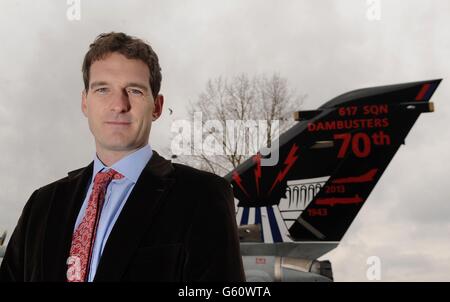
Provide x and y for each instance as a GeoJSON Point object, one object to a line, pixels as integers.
{"type": "Point", "coordinates": [120, 102]}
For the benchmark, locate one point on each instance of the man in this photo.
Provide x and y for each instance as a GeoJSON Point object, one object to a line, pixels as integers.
{"type": "Point", "coordinates": [130, 215]}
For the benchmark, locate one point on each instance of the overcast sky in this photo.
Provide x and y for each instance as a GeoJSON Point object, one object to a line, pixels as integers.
{"type": "Point", "coordinates": [324, 48]}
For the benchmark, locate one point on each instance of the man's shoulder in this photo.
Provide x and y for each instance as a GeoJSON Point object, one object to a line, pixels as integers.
{"type": "Point", "coordinates": [199, 177]}
{"type": "Point", "coordinates": [211, 192]}
{"type": "Point", "coordinates": [62, 181]}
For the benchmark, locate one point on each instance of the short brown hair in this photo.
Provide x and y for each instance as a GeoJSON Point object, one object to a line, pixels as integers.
{"type": "Point", "coordinates": [130, 47]}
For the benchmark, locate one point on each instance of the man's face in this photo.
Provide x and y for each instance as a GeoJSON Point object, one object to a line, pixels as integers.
{"type": "Point", "coordinates": [119, 104]}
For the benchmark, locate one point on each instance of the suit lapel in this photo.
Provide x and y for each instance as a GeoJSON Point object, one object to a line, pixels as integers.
{"type": "Point", "coordinates": [135, 218]}
{"type": "Point", "coordinates": [63, 213]}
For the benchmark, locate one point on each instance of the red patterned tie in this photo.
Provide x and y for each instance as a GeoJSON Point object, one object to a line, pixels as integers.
{"type": "Point", "coordinates": [84, 236]}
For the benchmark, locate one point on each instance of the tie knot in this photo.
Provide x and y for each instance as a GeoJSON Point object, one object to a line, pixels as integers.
{"type": "Point", "coordinates": [106, 177]}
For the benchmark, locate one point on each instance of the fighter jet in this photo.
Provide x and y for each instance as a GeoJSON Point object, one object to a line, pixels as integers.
{"type": "Point", "coordinates": [291, 213]}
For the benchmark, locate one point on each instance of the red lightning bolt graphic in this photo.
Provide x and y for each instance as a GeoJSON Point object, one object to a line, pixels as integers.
{"type": "Point", "coordinates": [237, 179]}
{"type": "Point", "coordinates": [290, 160]}
{"type": "Point", "coordinates": [257, 159]}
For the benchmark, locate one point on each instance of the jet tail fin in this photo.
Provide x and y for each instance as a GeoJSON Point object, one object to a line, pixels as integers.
{"type": "Point", "coordinates": [330, 161]}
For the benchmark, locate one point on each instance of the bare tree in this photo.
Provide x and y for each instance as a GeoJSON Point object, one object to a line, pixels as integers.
{"type": "Point", "coordinates": [236, 102]}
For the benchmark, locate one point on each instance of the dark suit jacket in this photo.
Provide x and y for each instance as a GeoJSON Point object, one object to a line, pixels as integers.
{"type": "Point", "coordinates": [178, 224]}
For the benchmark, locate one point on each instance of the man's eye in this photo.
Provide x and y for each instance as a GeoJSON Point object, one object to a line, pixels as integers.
{"type": "Point", "coordinates": [101, 90]}
{"type": "Point", "coordinates": [135, 91]}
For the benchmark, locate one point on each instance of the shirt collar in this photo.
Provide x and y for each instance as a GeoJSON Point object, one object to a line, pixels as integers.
{"type": "Point", "coordinates": [130, 166]}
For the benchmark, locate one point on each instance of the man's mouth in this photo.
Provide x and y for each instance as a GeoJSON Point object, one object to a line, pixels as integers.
{"type": "Point", "coordinates": [114, 123]}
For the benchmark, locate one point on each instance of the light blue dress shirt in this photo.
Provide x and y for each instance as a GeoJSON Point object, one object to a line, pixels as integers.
{"type": "Point", "coordinates": [116, 196]}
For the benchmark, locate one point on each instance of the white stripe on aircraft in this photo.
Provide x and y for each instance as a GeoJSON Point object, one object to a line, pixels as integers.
{"type": "Point", "coordinates": [281, 225]}
{"type": "Point", "coordinates": [267, 233]}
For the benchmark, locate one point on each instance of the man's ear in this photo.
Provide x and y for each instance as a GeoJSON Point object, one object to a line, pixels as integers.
{"type": "Point", "coordinates": [84, 102]}
{"type": "Point", "coordinates": [159, 103]}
